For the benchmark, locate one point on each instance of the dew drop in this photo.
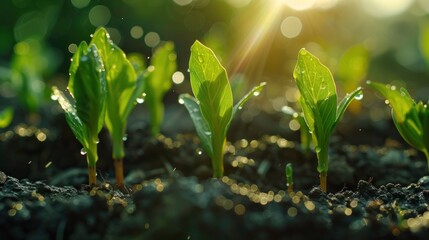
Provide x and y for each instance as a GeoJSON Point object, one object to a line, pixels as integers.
{"type": "Point", "coordinates": [240, 107]}
{"type": "Point", "coordinates": [386, 102]}
{"type": "Point", "coordinates": [256, 93]}
{"type": "Point", "coordinates": [188, 70]}
{"type": "Point", "coordinates": [83, 151]}
{"type": "Point", "coordinates": [303, 52]}
{"type": "Point", "coordinates": [208, 133]}
{"type": "Point", "coordinates": [71, 59]}
{"type": "Point", "coordinates": [181, 101]}
{"type": "Point", "coordinates": [302, 72]}
{"type": "Point", "coordinates": [112, 49]}
{"type": "Point", "coordinates": [199, 151]}
{"type": "Point", "coordinates": [84, 58]}
{"type": "Point", "coordinates": [91, 35]}
{"type": "Point", "coordinates": [140, 100]}
{"type": "Point", "coordinates": [54, 97]}
{"type": "Point", "coordinates": [125, 138]}
{"type": "Point", "coordinates": [359, 96]}
{"type": "Point", "coordinates": [97, 141]}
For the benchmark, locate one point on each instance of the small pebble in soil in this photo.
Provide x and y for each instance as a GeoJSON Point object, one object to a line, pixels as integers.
{"type": "Point", "coordinates": [3, 177]}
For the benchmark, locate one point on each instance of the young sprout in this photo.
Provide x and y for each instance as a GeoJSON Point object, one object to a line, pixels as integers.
{"type": "Point", "coordinates": [319, 105]}
{"type": "Point", "coordinates": [123, 87]}
{"type": "Point", "coordinates": [85, 115]}
{"type": "Point", "coordinates": [163, 65]}
{"type": "Point", "coordinates": [6, 116]}
{"type": "Point", "coordinates": [305, 135]}
{"type": "Point", "coordinates": [289, 177]}
{"type": "Point", "coordinates": [410, 118]}
{"type": "Point", "coordinates": [212, 110]}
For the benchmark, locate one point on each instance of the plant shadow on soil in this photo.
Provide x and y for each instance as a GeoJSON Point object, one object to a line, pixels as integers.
{"type": "Point", "coordinates": [375, 191]}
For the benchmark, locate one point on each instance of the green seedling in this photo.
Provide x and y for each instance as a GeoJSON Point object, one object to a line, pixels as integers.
{"type": "Point", "coordinates": [85, 113]}
{"type": "Point", "coordinates": [123, 87]}
{"type": "Point", "coordinates": [410, 118]}
{"type": "Point", "coordinates": [289, 177]}
{"type": "Point", "coordinates": [32, 62]}
{"type": "Point", "coordinates": [305, 135]}
{"type": "Point", "coordinates": [319, 105]}
{"type": "Point", "coordinates": [6, 116]}
{"type": "Point", "coordinates": [163, 65]}
{"type": "Point", "coordinates": [212, 110]}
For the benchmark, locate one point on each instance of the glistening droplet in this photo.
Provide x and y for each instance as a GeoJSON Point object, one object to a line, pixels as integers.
{"type": "Point", "coordinates": [83, 151]}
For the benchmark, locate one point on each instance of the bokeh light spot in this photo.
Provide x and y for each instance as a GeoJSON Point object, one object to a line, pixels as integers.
{"type": "Point", "coordinates": [72, 48]}
{"type": "Point", "coordinates": [80, 3]}
{"type": "Point", "coordinates": [291, 27]}
{"type": "Point", "coordinates": [385, 8]}
{"type": "Point", "coordinates": [182, 2]}
{"type": "Point", "coordinates": [99, 15]}
{"type": "Point", "coordinates": [136, 32]}
{"type": "Point", "coordinates": [299, 5]}
{"type": "Point", "coordinates": [178, 77]}
{"type": "Point", "coordinates": [152, 39]}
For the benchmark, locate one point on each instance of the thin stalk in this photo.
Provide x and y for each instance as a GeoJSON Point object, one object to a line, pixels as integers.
{"type": "Point", "coordinates": [323, 181]}
{"type": "Point", "coordinates": [118, 155]}
{"type": "Point", "coordinates": [217, 161]}
{"type": "Point", "coordinates": [92, 175]}
{"type": "Point", "coordinates": [289, 187]}
{"type": "Point", "coordinates": [322, 166]}
{"type": "Point", "coordinates": [119, 173]}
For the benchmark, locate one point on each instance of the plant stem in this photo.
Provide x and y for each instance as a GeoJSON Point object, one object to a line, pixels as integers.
{"type": "Point", "coordinates": [217, 161]}
{"type": "Point", "coordinates": [323, 179]}
{"type": "Point", "coordinates": [92, 176]}
{"type": "Point", "coordinates": [322, 165]}
{"type": "Point", "coordinates": [289, 187]}
{"type": "Point", "coordinates": [119, 173]}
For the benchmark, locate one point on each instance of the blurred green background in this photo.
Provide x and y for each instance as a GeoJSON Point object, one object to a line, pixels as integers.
{"type": "Point", "coordinates": [257, 40]}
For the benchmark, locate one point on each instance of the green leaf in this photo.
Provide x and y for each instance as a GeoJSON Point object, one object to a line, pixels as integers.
{"type": "Point", "coordinates": [73, 120]}
{"type": "Point", "coordinates": [203, 130]}
{"type": "Point", "coordinates": [400, 100]}
{"type": "Point", "coordinates": [410, 118]}
{"type": "Point", "coordinates": [254, 92]}
{"type": "Point", "coordinates": [318, 95]}
{"type": "Point", "coordinates": [356, 94]}
{"type": "Point", "coordinates": [88, 87]}
{"type": "Point", "coordinates": [6, 116]}
{"type": "Point", "coordinates": [123, 87]}
{"type": "Point", "coordinates": [211, 88]}
{"type": "Point", "coordinates": [212, 110]}
{"type": "Point", "coordinates": [159, 82]}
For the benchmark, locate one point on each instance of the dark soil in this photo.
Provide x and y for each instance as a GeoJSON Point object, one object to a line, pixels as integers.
{"type": "Point", "coordinates": [375, 191]}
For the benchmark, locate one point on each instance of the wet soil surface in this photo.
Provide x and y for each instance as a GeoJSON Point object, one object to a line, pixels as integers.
{"type": "Point", "coordinates": [374, 192]}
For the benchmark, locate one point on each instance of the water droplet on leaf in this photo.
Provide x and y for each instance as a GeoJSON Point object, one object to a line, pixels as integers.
{"type": "Point", "coordinates": [256, 93]}
{"type": "Point", "coordinates": [83, 151]}
{"type": "Point", "coordinates": [359, 96]}
{"type": "Point", "coordinates": [54, 97]}
{"type": "Point", "coordinates": [181, 101]}
{"type": "Point", "coordinates": [125, 138]}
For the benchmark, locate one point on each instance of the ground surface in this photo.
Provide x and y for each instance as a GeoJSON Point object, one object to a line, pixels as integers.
{"type": "Point", "coordinates": [375, 191]}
